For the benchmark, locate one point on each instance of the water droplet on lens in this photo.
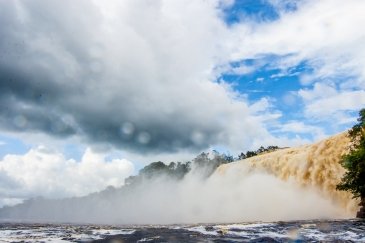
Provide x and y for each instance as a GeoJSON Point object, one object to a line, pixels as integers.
{"type": "Point", "coordinates": [144, 138]}
{"type": "Point", "coordinates": [197, 137]}
{"type": "Point", "coordinates": [20, 121]}
{"type": "Point", "coordinates": [127, 128]}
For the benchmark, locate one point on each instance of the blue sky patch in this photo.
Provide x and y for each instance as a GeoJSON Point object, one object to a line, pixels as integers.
{"type": "Point", "coordinates": [10, 145]}
{"type": "Point", "coordinates": [257, 10]}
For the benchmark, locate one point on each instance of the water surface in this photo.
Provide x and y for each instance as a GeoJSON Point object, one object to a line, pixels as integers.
{"type": "Point", "coordinates": [290, 231]}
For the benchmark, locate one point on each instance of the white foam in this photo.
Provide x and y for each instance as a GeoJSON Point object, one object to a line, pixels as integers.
{"type": "Point", "coordinates": [201, 229]}
{"type": "Point", "coordinates": [113, 232]}
{"type": "Point", "coordinates": [148, 239]}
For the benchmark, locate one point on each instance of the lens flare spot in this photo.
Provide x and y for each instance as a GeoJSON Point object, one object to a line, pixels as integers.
{"type": "Point", "coordinates": [20, 121]}
{"type": "Point", "coordinates": [127, 128]}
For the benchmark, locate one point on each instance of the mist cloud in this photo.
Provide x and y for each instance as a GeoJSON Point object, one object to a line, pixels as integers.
{"type": "Point", "coordinates": [237, 196]}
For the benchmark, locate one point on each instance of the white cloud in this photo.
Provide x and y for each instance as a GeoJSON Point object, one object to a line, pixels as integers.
{"type": "Point", "coordinates": [242, 70]}
{"type": "Point", "coordinates": [319, 90]}
{"type": "Point", "coordinates": [298, 127]}
{"type": "Point", "coordinates": [260, 79]}
{"type": "Point", "coordinates": [326, 102]}
{"type": "Point", "coordinates": [323, 31]}
{"type": "Point", "coordinates": [346, 100]}
{"type": "Point", "coordinates": [326, 32]}
{"type": "Point", "coordinates": [328, 36]}
{"type": "Point", "coordinates": [10, 201]}
{"type": "Point", "coordinates": [42, 172]}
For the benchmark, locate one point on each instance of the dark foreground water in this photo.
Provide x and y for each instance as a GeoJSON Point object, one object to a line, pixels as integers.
{"type": "Point", "coordinates": [293, 231]}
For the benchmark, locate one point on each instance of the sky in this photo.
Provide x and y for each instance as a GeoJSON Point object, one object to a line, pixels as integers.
{"type": "Point", "coordinates": [92, 90]}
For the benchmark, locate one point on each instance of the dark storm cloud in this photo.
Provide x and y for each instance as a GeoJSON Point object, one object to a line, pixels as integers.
{"type": "Point", "coordinates": [119, 78]}
{"type": "Point", "coordinates": [31, 102]}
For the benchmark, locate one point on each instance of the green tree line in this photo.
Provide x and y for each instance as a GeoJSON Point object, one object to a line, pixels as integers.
{"type": "Point", "coordinates": [354, 163]}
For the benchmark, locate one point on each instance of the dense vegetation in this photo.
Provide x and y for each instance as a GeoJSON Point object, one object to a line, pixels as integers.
{"type": "Point", "coordinates": [204, 165]}
{"type": "Point", "coordinates": [354, 162]}
{"type": "Point", "coordinates": [261, 150]}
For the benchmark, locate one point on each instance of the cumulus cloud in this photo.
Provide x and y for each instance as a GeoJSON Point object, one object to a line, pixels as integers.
{"type": "Point", "coordinates": [326, 32]}
{"type": "Point", "coordinates": [136, 75]}
{"type": "Point", "coordinates": [42, 172]}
